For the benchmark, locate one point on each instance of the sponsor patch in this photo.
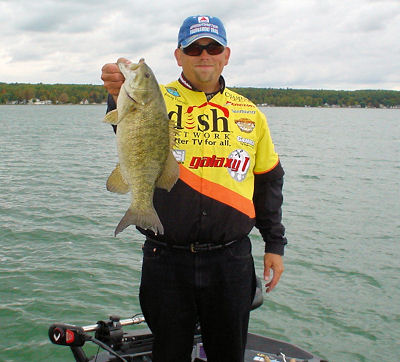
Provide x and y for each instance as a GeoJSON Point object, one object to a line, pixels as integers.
{"type": "Point", "coordinates": [173, 91]}
{"type": "Point", "coordinates": [245, 125]}
{"type": "Point", "coordinates": [245, 111]}
{"type": "Point", "coordinates": [179, 155]}
{"type": "Point", "coordinates": [243, 159]}
{"type": "Point", "coordinates": [237, 164]}
{"type": "Point", "coordinates": [214, 161]}
{"type": "Point", "coordinates": [236, 98]}
{"type": "Point", "coordinates": [246, 141]}
{"type": "Point", "coordinates": [228, 103]}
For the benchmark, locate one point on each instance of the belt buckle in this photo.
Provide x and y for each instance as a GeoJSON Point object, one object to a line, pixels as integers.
{"type": "Point", "coordinates": [192, 248]}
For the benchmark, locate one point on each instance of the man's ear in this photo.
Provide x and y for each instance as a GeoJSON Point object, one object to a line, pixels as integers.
{"type": "Point", "coordinates": [227, 55]}
{"type": "Point", "coordinates": [178, 55]}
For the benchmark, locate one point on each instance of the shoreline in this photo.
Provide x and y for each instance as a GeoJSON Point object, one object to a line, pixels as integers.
{"type": "Point", "coordinates": [258, 105]}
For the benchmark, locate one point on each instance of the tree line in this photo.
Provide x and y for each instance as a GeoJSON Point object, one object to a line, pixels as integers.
{"type": "Point", "coordinates": [321, 98]}
{"type": "Point", "coordinates": [23, 93]}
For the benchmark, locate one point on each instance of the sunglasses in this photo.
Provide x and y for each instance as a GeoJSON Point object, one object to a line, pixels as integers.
{"type": "Point", "coordinates": [195, 50]}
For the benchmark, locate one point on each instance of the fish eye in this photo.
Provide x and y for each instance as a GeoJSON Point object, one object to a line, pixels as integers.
{"type": "Point", "coordinates": [147, 75]}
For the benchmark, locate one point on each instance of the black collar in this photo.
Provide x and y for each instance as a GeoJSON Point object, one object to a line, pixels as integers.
{"type": "Point", "coordinates": [185, 82]}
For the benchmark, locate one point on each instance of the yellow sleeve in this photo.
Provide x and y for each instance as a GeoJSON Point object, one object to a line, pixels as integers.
{"type": "Point", "coordinates": [266, 157]}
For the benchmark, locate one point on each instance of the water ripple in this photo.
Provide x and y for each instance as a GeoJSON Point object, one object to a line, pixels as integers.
{"type": "Point", "coordinates": [59, 261]}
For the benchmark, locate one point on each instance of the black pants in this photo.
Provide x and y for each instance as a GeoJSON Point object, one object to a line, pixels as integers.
{"type": "Point", "coordinates": [180, 288]}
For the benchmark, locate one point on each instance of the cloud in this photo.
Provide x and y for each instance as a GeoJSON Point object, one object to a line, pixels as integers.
{"type": "Point", "coordinates": [277, 43]}
{"type": "Point", "coordinates": [322, 45]}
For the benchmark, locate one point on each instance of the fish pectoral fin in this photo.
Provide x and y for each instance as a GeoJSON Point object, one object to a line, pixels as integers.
{"type": "Point", "coordinates": [116, 183]}
{"type": "Point", "coordinates": [111, 117]}
{"type": "Point", "coordinates": [170, 174]}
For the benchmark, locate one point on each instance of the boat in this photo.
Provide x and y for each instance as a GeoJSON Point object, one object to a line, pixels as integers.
{"type": "Point", "coordinates": [136, 345]}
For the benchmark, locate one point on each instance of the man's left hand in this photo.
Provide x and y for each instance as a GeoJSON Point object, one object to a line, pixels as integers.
{"type": "Point", "coordinates": [274, 262]}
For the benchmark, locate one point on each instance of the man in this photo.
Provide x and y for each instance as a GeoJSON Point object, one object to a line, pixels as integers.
{"type": "Point", "coordinates": [231, 179]}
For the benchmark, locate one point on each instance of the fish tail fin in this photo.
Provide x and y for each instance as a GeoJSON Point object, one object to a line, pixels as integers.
{"type": "Point", "coordinates": [146, 220]}
{"type": "Point", "coordinates": [170, 173]}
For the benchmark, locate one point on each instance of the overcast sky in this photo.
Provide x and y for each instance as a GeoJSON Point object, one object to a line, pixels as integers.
{"type": "Point", "coordinates": [317, 44]}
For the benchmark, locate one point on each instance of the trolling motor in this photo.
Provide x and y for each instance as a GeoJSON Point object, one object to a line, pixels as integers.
{"type": "Point", "coordinates": [108, 335]}
{"type": "Point", "coordinates": [67, 335]}
{"type": "Point", "coordinates": [110, 332]}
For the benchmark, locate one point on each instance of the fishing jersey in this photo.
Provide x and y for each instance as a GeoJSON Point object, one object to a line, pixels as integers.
{"type": "Point", "coordinates": [225, 152]}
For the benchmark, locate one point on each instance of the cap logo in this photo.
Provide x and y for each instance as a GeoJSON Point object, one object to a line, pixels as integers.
{"type": "Point", "coordinates": [203, 28]}
{"type": "Point", "coordinates": [203, 19]}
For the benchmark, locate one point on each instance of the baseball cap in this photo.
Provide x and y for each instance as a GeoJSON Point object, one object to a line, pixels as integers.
{"type": "Point", "coordinates": [201, 26]}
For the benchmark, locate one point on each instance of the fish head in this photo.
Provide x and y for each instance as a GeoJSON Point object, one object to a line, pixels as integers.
{"type": "Point", "coordinates": [140, 81]}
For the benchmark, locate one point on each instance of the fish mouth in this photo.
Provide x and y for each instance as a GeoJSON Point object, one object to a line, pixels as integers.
{"type": "Point", "coordinates": [136, 90]}
{"type": "Point", "coordinates": [134, 66]}
{"type": "Point", "coordinates": [129, 96]}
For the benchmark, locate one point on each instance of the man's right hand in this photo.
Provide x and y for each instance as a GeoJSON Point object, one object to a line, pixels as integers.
{"type": "Point", "coordinates": [113, 78]}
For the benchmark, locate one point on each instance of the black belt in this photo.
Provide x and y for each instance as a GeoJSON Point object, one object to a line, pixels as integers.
{"type": "Point", "coordinates": [193, 247]}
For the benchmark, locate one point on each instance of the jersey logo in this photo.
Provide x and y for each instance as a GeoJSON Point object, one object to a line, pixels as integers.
{"type": "Point", "coordinates": [212, 120]}
{"type": "Point", "coordinates": [173, 91]}
{"type": "Point", "coordinates": [223, 109]}
{"type": "Point", "coordinates": [237, 164]}
{"type": "Point", "coordinates": [179, 155]}
{"type": "Point", "coordinates": [242, 158]}
{"type": "Point", "coordinates": [245, 125]}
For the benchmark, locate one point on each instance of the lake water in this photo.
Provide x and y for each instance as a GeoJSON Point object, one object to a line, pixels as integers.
{"type": "Point", "coordinates": [339, 296]}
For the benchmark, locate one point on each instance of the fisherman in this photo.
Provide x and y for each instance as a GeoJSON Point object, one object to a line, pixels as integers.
{"type": "Point", "coordinates": [201, 269]}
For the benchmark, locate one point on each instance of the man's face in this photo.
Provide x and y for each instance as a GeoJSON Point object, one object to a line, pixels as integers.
{"type": "Point", "coordinates": [204, 70]}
